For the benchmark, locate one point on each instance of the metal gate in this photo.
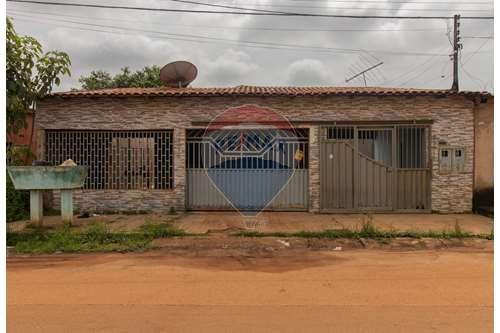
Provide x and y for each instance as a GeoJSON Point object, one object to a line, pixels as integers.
{"type": "Point", "coordinates": [247, 169]}
{"type": "Point", "coordinates": [375, 168]}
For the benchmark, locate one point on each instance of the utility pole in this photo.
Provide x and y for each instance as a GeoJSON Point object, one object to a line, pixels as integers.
{"type": "Point", "coordinates": [456, 48]}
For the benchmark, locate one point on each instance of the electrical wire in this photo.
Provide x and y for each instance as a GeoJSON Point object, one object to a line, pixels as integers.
{"type": "Point", "coordinates": [285, 14]}
{"type": "Point", "coordinates": [190, 37]}
{"type": "Point", "coordinates": [419, 74]}
{"type": "Point", "coordinates": [477, 37]}
{"type": "Point", "coordinates": [481, 83]}
{"type": "Point", "coordinates": [476, 51]}
{"type": "Point", "coordinates": [395, 1]}
{"type": "Point", "coordinates": [325, 7]}
{"type": "Point", "coordinates": [278, 29]}
{"type": "Point", "coordinates": [412, 69]}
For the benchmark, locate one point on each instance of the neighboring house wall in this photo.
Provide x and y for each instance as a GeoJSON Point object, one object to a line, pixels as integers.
{"type": "Point", "coordinates": [452, 118]}
{"type": "Point", "coordinates": [25, 137]}
{"type": "Point", "coordinates": [483, 164]}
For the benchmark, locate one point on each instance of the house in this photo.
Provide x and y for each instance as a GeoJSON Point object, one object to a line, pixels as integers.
{"type": "Point", "coordinates": [22, 143]}
{"type": "Point", "coordinates": [483, 156]}
{"type": "Point", "coordinates": [352, 149]}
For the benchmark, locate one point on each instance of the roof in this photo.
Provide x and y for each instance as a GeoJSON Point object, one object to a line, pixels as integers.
{"type": "Point", "coordinates": [263, 91]}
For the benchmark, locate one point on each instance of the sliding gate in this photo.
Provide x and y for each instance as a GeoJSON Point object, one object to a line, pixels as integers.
{"type": "Point", "coordinates": [247, 169]}
{"type": "Point", "coordinates": [378, 168]}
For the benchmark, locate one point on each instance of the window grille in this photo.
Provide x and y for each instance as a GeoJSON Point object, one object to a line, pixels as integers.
{"type": "Point", "coordinates": [247, 149]}
{"type": "Point", "coordinates": [116, 159]}
{"type": "Point", "coordinates": [413, 145]}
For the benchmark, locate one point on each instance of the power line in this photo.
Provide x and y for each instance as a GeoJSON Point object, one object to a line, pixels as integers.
{"type": "Point", "coordinates": [285, 14]}
{"type": "Point", "coordinates": [482, 85]}
{"type": "Point", "coordinates": [326, 7]}
{"type": "Point", "coordinates": [224, 6]}
{"type": "Point", "coordinates": [476, 51]}
{"type": "Point", "coordinates": [477, 37]}
{"type": "Point", "coordinates": [234, 28]}
{"type": "Point", "coordinates": [419, 74]}
{"type": "Point", "coordinates": [255, 43]}
{"type": "Point", "coordinates": [398, 1]}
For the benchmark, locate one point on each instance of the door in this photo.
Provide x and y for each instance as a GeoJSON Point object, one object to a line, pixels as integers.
{"type": "Point", "coordinates": [374, 168]}
{"type": "Point", "coordinates": [247, 169]}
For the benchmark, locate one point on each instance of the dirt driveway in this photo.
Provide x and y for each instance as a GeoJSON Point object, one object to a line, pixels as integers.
{"type": "Point", "coordinates": [280, 290]}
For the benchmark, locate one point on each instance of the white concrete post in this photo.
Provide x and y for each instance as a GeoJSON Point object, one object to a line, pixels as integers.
{"type": "Point", "coordinates": [36, 206]}
{"type": "Point", "coordinates": [67, 205]}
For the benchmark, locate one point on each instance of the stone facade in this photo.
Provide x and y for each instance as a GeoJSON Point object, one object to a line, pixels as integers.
{"type": "Point", "coordinates": [451, 117]}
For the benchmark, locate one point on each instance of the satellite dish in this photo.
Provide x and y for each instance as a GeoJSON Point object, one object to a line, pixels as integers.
{"type": "Point", "coordinates": [178, 74]}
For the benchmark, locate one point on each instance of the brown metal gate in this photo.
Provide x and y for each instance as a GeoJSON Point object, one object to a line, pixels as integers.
{"type": "Point", "coordinates": [378, 168]}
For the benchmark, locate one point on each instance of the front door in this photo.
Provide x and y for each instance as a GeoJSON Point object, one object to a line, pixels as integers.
{"type": "Point", "coordinates": [374, 168]}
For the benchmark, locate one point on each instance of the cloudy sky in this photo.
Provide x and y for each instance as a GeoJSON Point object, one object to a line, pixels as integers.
{"type": "Point", "coordinates": [231, 50]}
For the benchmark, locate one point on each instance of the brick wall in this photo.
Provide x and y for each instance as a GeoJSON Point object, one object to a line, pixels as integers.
{"type": "Point", "coordinates": [452, 123]}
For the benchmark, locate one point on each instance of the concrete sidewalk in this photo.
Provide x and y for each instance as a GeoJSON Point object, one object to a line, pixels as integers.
{"type": "Point", "coordinates": [200, 222]}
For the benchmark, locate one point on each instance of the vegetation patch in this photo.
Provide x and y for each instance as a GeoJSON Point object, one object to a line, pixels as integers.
{"type": "Point", "coordinates": [96, 238]}
{"type": "Point", "coordinates": [368, 230]}
{"type": "Point", "coordinates": [17, 203]}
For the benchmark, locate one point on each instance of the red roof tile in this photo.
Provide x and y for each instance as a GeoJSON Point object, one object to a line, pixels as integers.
{"type": "Point", "coordinates": [261, 91]}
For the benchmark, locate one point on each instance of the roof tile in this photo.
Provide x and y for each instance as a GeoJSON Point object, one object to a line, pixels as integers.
{"type": "Point", "coordinates": [261, 91]}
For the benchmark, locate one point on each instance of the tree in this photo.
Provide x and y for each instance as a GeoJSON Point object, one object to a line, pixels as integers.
{"type": "Point", "coordinates": [147, 77]}
{"type": "Point", "coordinates": [30, 75]}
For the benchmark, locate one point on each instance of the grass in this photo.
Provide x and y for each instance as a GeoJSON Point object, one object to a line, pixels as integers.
{"type": "Point", "coordinates": [96, 238]}
{"type": "Point", "coordinates": [368, 230]}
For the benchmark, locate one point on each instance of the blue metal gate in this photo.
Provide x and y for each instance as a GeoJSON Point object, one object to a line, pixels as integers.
{"type": "Point", "coordinates": [247, 169]}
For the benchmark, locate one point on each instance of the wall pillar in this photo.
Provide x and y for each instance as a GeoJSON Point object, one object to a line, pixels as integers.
{"type": "Point", "coordinates": [179, 160]}
{"type": "Point", "coordinates": [314, 176]}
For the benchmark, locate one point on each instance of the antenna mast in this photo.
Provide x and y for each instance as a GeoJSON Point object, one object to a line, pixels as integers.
{"type": "Point", "coordinates": [363, 73]}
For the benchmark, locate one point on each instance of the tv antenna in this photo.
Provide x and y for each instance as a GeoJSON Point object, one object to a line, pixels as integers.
{"type": "Point", "coordinates": [363, 71]}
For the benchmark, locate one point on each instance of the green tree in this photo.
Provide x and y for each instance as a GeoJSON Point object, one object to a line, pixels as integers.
{"type": "Point", "coordinates": [147, 77]}
{"type": "Point", "coordinates": [31, 74]}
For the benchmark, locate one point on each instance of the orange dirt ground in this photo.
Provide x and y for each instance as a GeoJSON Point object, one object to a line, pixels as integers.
{"type": "Point", "coordinates": [245, 289]}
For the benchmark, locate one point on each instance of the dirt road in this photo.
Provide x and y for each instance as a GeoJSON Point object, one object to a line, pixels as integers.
{"type": "Point", "coordinates": [290, 290]}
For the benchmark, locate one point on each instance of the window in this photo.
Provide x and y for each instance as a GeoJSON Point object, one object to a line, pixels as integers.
{"type": "Point", "coordinates": [116, 159]}
{"type": "Point", "coordinates": [452, 159]}
{"type": "Point", "coordinates": [412, 147]}
{"type": "Point", "coordinates": [340, 133]}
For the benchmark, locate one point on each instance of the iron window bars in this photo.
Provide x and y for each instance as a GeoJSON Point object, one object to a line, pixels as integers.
{"type": "Point", "coordinates": [412, 143]}
{"type": "Point", "coordinates": [117, 160]}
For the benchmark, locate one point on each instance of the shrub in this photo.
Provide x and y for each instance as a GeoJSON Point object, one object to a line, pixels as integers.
{"type": "Point", "coordinates": [17, 203]}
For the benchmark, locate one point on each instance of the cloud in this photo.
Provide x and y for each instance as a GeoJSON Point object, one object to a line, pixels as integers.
{"type": "Point", "coordinates": [224, 63]}
{"type": "Point", "coordinates": [308, 72]}
{"type": "Point", "coordinates": [230, 68]}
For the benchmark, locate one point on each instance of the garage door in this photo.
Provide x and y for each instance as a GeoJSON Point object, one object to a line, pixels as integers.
{"type": "Point", "coordinates": [247, 169]}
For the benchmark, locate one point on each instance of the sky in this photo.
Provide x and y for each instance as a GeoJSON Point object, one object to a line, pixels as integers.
{"type": "Point", "coordinates": [231, 50]}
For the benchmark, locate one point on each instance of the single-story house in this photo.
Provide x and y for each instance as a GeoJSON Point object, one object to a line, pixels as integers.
{"type": "Point", "coordinates": [354, 148]}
